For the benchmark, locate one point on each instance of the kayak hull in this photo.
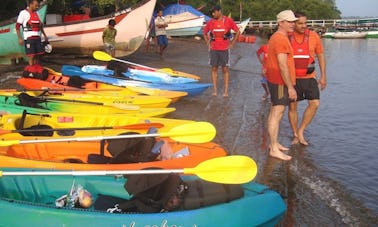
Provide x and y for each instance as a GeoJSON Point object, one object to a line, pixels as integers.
{"type": "Point", "coordinates": [33, 198]}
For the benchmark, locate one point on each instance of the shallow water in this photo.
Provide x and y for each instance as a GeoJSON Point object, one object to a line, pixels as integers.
{"type": "Point", "coordinates": [333, 181]}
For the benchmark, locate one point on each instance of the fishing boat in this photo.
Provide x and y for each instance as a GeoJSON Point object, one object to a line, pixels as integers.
{"type": "Point", "coordinates": [15, 104]}
{"type": "Point", "coordinates": [33, 198]}
{"type": "Point", "coordinates": [372, 33]}
{"type": "Point", "coordinates": [85, 36]}
{"type": "Point", "coordinates": [10, 47]}
{"type": "Point", "coordinates": [191, 88]}
{"type": "Point", "coordinates": [349, 35]}
{"type": "Point", "coordinates": [243, 25]}
{"type": "Point", "coordinates": [90, 125]}
{"type": "Point", "coordinates": [181, 25]}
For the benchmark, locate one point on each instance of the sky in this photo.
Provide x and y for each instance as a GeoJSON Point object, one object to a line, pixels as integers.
{"type": "Point", "coordinates": [361, 8]}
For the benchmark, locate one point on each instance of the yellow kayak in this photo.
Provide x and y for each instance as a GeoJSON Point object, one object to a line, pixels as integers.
{"type": "Point", "coordinates": [76, 125]}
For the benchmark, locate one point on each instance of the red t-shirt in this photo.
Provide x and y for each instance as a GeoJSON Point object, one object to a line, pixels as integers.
{"type": "Point", "coordinates": [263, 50]}
{"type": "Point", "coordinates": [218, 29]}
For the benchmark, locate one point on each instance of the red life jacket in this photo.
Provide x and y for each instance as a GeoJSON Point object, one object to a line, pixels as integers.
{"type": "Point", "coordinates": [220, 32]}
{"type": "Point", "coordinates": [33, 25]}
{"type": "Point", "coordinates": [304, 62]}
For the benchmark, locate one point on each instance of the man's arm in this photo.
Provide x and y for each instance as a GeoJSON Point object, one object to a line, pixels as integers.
{"type": "Point", "coordinates": [285, 74]}
{"type": "Point", "coordinates": [205, 35]}
{"type": "Point", "coordinates": [234, 39]}
{"type": "Point", "coordinates": [323, 75]}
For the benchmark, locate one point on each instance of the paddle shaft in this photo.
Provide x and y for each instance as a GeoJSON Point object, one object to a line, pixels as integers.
{"type": "Point", "coordinates": [135, 64]}
{"type": "Point", "coordinates": [132, 126]}
{"type": "Point", "coordinates": [88, 173]}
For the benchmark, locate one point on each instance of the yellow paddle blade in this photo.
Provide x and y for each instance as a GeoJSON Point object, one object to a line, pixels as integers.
{"type": "Point", "coordinates": [178, 73]}
{"type": "Point", "coordinates": [235, 169]}
{"type": "Point", "coordinates": [198, 132]}
{"type": "Point", "coordinates": [102, 56]}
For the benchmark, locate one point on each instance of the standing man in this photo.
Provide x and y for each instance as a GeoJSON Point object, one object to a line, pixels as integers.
{"type": "Point", "coordinates": [32, 27]}
{"type": "Point", "coordinates": [108, 37]}
{"type": "Point", "coordinates": [281, 79]}
{"type": "Point", "coordinates": [306, 44]}
{"type": "Point", "coordinates": [161, 33]}
{"type": "Point", "coordinates": [217, 34]}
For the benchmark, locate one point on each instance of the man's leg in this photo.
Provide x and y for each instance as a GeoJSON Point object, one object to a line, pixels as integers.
{"type": "Point", "coordinates": [293, 119]}
{"type": "Point", "coordinates": [214, 77]}
{"type": "Point", "coordinates": [226, 75]}
{"type": "Point", "coordinates": [274, 119]}
{"type": "Point", "coordinates": [308, 115]}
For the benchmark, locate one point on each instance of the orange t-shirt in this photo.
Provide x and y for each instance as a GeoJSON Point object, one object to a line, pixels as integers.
{"type": "Point", "coordinates": [279, 44]}
{"type": "Point", "coordinates": [315, 47]}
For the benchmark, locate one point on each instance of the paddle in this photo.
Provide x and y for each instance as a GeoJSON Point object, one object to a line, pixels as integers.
{"type": "Point", "coordinates": [198, 132]}
{"type": "Point", "coordinates": [236, 169]}
{"type": "Point", "coordinates": [102, 56]}
{"type": "Point", "coordinates": [140, 126]}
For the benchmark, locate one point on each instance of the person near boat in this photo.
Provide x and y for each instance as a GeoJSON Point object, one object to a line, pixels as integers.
{"type": "Point", "coordinates": [217, 35]}
{"type": "Point", "coordinates": [108, 37]}
{"type": "Point", "coordinates": [306, 45]}
{"type": "Point", "coordinates": [160, 32]}
{"type": "Point", "coordinates": [262, 55]}
{"type": "Point", "coordinates": [281, 79]}
{"type": "Point", "coordinates": [28, 20]}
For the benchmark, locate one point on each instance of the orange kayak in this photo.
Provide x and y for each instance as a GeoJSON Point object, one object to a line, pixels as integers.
{"type": "Point", "coordinates": [74, 156]}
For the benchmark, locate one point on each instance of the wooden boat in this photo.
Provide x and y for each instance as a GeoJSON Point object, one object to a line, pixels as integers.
{"type": "Point", "coordinates": [349, 35]}
{"type": "Point", "coordinates": [182, 25]}
{"type": "Point", "coordinates": [74, 156]}
{"type": "Point", "coordinates": [33, 198]}
{"type": "Point", "coordinates": [243, 25]}
{"type": "Point", "coordinates": [65, 120]}
{"type": "Point", "coordinates": [10, 47]}
{"type": "Point", "coordinates": [372, 34]}
{"type": "Point", "coordinates": [12, 104]}
{"type": "Point", "coordinates": [86, 36]}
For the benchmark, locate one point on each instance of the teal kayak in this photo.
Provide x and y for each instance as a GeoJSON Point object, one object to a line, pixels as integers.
{"type": "Point", "coordinates": [34, 199]}
{"type": "Point", "coordinates": [8, 36]}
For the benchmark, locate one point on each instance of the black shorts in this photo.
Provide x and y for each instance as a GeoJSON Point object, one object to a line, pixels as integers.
{"type": "Point", "coordinates": [307, 89]}
{"type": "Point", "coordinates": [219, 58]}
{"type": "Point", "coordinates": [33, 46]}
{"type": "Point", "coordinates": [279, 94]}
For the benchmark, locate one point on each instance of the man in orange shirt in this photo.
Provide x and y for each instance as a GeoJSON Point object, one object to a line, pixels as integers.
{"type": "Point", "coordinates": [281, 79]}
{"type": "Point", "coordinates": [306, 45]}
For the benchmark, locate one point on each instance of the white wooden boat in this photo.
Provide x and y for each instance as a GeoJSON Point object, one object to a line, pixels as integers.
{"type": "Point", "coordinates": [86, 36]}
{"type": "Point", "coordinates": [243, 25]}
{"type": "Point", "coordinates": [350, 35]}
{"type": "Point", "coordinates": [184, 24]}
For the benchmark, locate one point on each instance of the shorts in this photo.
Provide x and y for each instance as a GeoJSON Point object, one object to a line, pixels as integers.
{"type": "Point", "coordinates": [279, 94]}
{"type": "Point", "coordinates": [307, 89]}
{"type": "Point", "coordinates": [162, 40]}
{"type": "Point", "coordinates": [109, 47]}
{"type": "Point", "coordinates": [264, 80]}
{"type": "Point", "coordinates": [33, 46]}
{"type": "Point", "coordinates": [219, 58]}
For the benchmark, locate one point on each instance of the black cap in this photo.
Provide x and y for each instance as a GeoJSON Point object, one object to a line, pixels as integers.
{"type": "Point", "coordinates": [215, 8]}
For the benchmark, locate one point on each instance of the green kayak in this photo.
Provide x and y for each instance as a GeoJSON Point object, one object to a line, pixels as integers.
{"type": "Point", "coordinates": [32, 201]}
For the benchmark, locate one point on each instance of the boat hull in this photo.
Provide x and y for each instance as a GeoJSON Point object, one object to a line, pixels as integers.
{"type": "Point", "coordinates": [35, 204]}
{"type": "Point", "coordinates": [372, 34]}
{"type": "Point", "coordinates": [86, 36]}
{"type": "Point", "coordinates": [350, 35]}
{"type": "Point", "coordinates": [184, 27]}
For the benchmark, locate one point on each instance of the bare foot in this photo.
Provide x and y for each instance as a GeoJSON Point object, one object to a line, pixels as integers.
{"type": "Point", "coordinates": [214, 93]}
{"type": "Point", "coordinates": [276, 153]}
{"type": "Point", "coordinates": [282, 148]}
{"type": "Point", "coordinates": [302, 140]}
{"type": "Point", "coordinates": [295, 140]}
{"type": "Point", "coordinates": [225, 95]}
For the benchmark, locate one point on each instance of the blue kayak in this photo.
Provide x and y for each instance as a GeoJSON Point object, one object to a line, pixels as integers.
{"type": "Point", "coordinates": [32, 201]}
{"type": "Point", "coordinates": [191, 88]}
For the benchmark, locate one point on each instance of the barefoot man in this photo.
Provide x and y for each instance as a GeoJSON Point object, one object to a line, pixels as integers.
{"type": "Point", "coordinates": [281, 79]}
{"type": "Point", "coordinates": [306, 45]}
{"type": "Point", "coordinates": [219, 45]}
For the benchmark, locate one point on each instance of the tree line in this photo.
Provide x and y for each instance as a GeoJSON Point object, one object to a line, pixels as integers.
{"type": "Point", "coordinates": [255, 9]}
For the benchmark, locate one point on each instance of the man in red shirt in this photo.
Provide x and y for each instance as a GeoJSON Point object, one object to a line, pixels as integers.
{"type": "Point", "coordinates": [262, 55]}
{"type": "Point", "coordinates": [280, 73]}
{"type": "Point", "coordinates": [32, 27]}
{"type": "Point", "coordinates": [217, 35]}
{"type": "Point", "coordinates": [306, 45]}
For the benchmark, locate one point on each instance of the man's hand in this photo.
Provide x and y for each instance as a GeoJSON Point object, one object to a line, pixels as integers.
{"type": "Point", "coordinates": [20, 41]}
{"type": "Point", "coordinates": [292, 93]}
{"type": "Point", "coordinates": [322, 82]}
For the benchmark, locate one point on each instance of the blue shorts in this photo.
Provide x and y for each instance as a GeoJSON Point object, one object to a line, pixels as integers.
{"type": "Point", "coordinates": [263, 80]}
{"type": "Point", "coordinates": [162, 40]}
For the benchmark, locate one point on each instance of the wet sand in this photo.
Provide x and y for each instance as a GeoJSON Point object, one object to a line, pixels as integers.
{"type": "Point", "coordinates": [241, 126]}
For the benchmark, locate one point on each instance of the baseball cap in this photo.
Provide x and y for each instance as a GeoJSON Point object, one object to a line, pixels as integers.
{"type": "Point", "coordinates": [286, 15]}
{"type": "Point", "coordinates": [215, 8]}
